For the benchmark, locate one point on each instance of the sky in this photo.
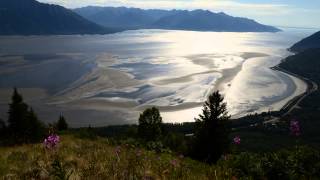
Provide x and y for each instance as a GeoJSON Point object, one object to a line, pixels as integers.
{"type": "Point", "coordinates": [284, 13]}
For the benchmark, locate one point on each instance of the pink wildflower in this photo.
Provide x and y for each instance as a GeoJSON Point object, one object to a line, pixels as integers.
{"type": "Point", "coordinates": [51, 141]}
{"type": "Point", "coordinates": [117, 150]}
{"type": "Point", "coordinates": [295, 128]}
{"type": "Point", "coordinates": [237, 140]}
{"type": "Point", "coordinates": [174, 163]}
{"type": "Point", "coordinates": [139, 153]}
{"type": "Point", "coordinates": [181, 156]}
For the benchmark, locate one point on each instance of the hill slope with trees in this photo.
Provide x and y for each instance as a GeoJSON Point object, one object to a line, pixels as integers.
{"type": "Point", "coordinates": [311, 42]}
{"type": "Point", "coordinates": [29, 17]}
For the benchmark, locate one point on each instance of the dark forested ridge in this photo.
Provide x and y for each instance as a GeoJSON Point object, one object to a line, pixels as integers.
{"type": "Point", "coordinates": [312, 41]}
{"type": "Point", "coordinates": [306, 64]}
{"type": "Point", "coordinates": [199, 20]}
{"type": "Point", "coordinates": [29, 17]}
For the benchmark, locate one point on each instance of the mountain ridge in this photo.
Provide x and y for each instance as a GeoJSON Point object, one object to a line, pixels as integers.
{"type": "Point", "coordinates": [198, 20]}
{"type": "Point", "coordinates": [310, 42]}
{"type": "Point", "coordinates": [30, 17]}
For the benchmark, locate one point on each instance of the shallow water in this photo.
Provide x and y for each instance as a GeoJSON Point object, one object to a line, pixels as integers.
{"type": "Point", "coordinates": [129, 71]}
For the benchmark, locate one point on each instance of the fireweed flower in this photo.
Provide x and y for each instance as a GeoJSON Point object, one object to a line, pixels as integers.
{"type": "Point", "coordinates": [51, 141]}
{"type": "Point", "coordinates": [295, 128]}
{"type": "Point", "coordinates": [138, 153]}
{"type": "Point", "coordinates": [181, 156]}
{"type": "Point", "coordinates": [117, 150]}
{"type": "Point", "coordinates": [237, 140]}
{"type": "Point", "coordinates": [225, 157]}
{"type": "Point", "coordinates": [174, 163]}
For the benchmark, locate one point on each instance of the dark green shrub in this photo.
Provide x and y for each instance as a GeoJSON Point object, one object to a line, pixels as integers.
{"type": "Point", "coordinates": [176, 142]}
{"type": "Point", "coordinates": [246, 165]}
{"type": "Point", "coordinates": [59, 170]}
{"type": "Point", "coordinates": [150, 122]}
{"type": "Point", "coordinates": [62, 124]}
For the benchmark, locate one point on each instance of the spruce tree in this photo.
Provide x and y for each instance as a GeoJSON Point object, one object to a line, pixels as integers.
{"type": "Point", "coordinates": [212, 130]}
{"type": "Point", "coordinates": [62, 124]}
{"type": "Point", "coordinates": [2, 124]}
{"type": "Point", "coordinates": [23, 124]}
{"type": "Point", "coordinates": [3, 128]}
{"type": "Point", "coordinates": [150, 123]}
{"type": "Point", "coordinates": [36, 127]}
{"type": "Point", "coordinates": [17, 120]}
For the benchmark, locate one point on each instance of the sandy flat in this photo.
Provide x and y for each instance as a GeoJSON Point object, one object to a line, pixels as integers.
{"type": "Point", "coordinates": [183, 79]}
{"type": "Point", "coordinates": [112, 79]}
{"type": "Point", "coordinates": [78, 101]}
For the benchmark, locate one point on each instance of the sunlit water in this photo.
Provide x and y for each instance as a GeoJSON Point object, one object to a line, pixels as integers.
{"type": "Point", "coordinates": [173, 70]}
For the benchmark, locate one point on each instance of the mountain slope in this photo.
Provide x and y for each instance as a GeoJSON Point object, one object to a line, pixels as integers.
{"type": "Point", "coordinates": [121, 17]}
{"type": "Point", "coordinates": [199, 20]}
{"type": "Point", "coordinates": [208, 21]}
{"type": "Point", "coordinates": [29, 17]}
{"type": "Point", "coordinates": [312, 41]}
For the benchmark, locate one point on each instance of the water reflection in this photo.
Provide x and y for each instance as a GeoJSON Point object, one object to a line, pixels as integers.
{"type": "Point", "coordinates": [173, 70]}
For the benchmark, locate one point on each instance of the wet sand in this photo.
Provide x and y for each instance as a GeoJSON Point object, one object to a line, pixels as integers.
{"type": "Point", "coordinates": [103, 80]}
{"type": "Point", "coordinates": [77, 101]}
{"type": "Point", "coordinates": [117, 80]}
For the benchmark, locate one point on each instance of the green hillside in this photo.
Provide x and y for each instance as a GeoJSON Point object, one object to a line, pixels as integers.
{"type": "Point", "coordinates": [101, 158]}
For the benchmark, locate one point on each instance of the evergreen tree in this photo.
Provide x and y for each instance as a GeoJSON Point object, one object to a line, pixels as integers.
{"type": "Point", "coordinates": [2, 124]}
{"type": "Point", "coordinates": [212, 130]}
{"type": "Point", "coordinates": [3, 128]}
{"type": "Point", "coordinates": [150, 123]}
{"type": "Point", "coordinates": [23, 124]}
{"type": "Point", "coordinates": [62, 124]}
{"type": "Point", "coordinates": [36, 127]}
{"type": "Point", "coordinates": [18, 112]}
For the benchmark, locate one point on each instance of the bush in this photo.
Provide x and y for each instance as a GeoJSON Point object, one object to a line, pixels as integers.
{"type": "Point", "coordinates": [176, 142]}
{"type": "Point", "coordinates": [296, 163]}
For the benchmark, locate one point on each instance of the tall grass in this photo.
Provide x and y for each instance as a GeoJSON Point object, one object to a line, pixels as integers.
{"type": "Point", "coordinates": [86, 159]}
{"type": "Point", "coordinates": [99, 158]}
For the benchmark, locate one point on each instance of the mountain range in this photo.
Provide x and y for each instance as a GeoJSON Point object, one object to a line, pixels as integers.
{"type": "Point", "coordinates": [29, 17]}
{"type": "Point", "coordinates": [198, 20]}
{"type": "Point", "coordinates": [310, 42]}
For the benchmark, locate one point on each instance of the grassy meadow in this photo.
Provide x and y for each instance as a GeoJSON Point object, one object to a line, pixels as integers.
{"type": "Point", "coordinates": [101, 158]}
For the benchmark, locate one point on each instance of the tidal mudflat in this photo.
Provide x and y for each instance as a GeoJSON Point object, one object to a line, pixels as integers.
{"type": "Point", "coordinates": [102, 80]}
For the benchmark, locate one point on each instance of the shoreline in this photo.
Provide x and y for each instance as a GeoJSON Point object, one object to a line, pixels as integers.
{"type": "Point", "coordinates": [290, 105]}
{"type": "Point", "coordinates": [282, 104]}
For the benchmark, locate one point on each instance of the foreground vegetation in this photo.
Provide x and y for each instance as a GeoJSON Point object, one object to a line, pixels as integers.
{"type": "Point", "coordinates": [153, 150]}
{"type": "Point", "coordinates": [100, 158]}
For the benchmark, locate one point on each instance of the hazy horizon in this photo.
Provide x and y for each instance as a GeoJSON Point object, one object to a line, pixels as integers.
{"type": "Point", "coordinates": [277, 13]}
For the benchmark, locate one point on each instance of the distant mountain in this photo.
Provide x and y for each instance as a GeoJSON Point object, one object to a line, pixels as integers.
{"type": "Point", "coordinates": [122, 17]}
{"type": "Point", "coordinates": [29, 17]}
{"type": "Point", "coordinates": [198, 20]}
{"type": "Point", "coordinates": [310, 42]}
